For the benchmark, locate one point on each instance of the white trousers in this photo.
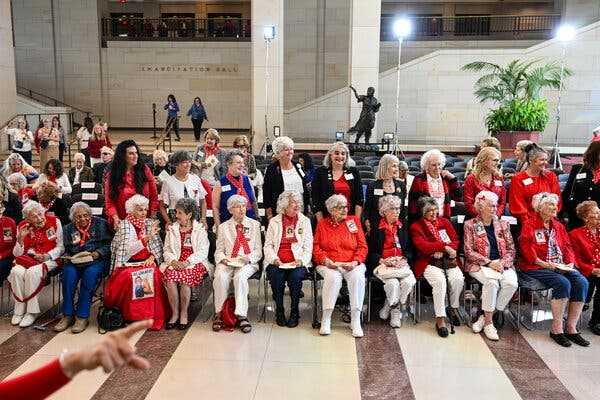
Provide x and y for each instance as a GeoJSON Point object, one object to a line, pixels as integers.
{"type": "Point", "coordinates": [437, 279]}
{"type": "Point", "coordinates": [25, 281]}
{"type": "Point", "coordinates": [398, 289]}
{"type": "Point", "coordinates": [223, 276]}
{"type": "Point", "coordinates": [332, 283]}
{"type": "Point", "coordinates": [497, 293]}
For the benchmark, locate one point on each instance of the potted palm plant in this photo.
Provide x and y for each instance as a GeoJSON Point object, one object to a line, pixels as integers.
{"type": "Point", "coordinates": [515, 90]}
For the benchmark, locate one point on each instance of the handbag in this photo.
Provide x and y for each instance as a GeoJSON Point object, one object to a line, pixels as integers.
{"type": "Point", "coordinates": [109, 319]}
{"type": "Point", "coordinates": [399, 272]}
{"type": "Point", "coordinates": [44, 144]}
{"type": "Point", "coordinates": [26, 261]}
{"type": "Point", "coordinates": [444, 263]}
{"type": "Point", "coordinates": [18, 144]}
{"type": "Point", "coordinates": [228, 316]}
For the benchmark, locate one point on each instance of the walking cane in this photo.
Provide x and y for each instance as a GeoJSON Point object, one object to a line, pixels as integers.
{"type": "Point", "coordinates": [445, 268]}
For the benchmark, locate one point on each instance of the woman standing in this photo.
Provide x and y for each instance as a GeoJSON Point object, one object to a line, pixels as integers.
{"type": "Point", "coordinates": [242, 144]}
{"type": "Point", "coordinates": [197, 113]}
{"type": "Point", "coordinates": [172, 121]}
{"type": "Point", "coordinates": [98, 140]}
{"type": "Point", "coordinates": [521, 154]}
{"type": "Point", "coordinates": [48, 139]}
{"type": "Point", "coordinates": [211, 157]}
{"type": "Point", "coordinates": [63, 136]}
{"type": "Point", "coordinates": [22, 139]}
{"type": "Point", "coordinates": [486, 176]}
{"type": "Point", "coordinates": [83, 135]}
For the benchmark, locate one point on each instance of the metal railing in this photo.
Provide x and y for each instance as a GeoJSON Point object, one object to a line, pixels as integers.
{"type": "Point", "coordinates": [176, 29]}
{"type": "Point", "coordinates": [498, 27]}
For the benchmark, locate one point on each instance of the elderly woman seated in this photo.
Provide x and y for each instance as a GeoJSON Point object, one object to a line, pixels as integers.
{"type": "Point", "coordinates": [87, 256]}
{"type": "Point", "coordinates": [340, 250]}
{"type": "Point", "coordinates": [47, 195]}
{"type": "Point", "coordinates": [18, 183]}
{"type": "Point", "coordinates": [388, 246]}
{"type": "Point", "coordinates": [489, 258]}
{"type": "Point", "coordinates": [288, 252]}
{"type": "Point", "coordinates": [135, 283]}
{"type": "Point", "coordinates": [436, 243]}
{"type": "Point", "coordinates": [239, 249]}
{"type": "Point", "coordinates": [80, 172]}
{"type": "Point", "coordinates": [186, 260]}
{"type": "Point", "coordinates": [546, 255]}
{"type": "Point", "coordinates": [39, 245]}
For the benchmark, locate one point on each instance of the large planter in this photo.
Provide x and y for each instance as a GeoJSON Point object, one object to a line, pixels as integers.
{"type": "Point", "coordinates": [509, 139]}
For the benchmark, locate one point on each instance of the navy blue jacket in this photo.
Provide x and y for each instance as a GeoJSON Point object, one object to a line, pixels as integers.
{"type": "Point", "coordinates": [99, 239]}
{"type": "Point", "coordinates": [197, 112]}
{"type": "Point", "coordinates": [172, 109]}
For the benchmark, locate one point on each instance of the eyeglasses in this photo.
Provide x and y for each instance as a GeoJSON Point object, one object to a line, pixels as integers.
{"type": "Point", "coordinates": [105, 154]}
{"type": "Point", "coordinates": [341, 207]}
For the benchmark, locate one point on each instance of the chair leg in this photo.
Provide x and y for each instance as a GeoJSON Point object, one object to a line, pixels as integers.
{"type": "Point", "coordinates": [369, 302]}
{"type": "Point", "coordinates": [315, 322]}
{"type": "Point", "coordinates": [266, 299]}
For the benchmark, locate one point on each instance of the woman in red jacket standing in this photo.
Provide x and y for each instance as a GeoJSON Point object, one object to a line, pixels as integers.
{"type": "Point", "coordinates": [486, 176]}
{"type": "Point", "coordinates": [97, 141]}
{"type": "Point", "coordinates": [437, 243]}
{"type": "Point", "coordinates": [546, 255]}
{"type": "Point", "coordinates": [535, 179]}
{"type": "Point", "coordinates": [586, 246]}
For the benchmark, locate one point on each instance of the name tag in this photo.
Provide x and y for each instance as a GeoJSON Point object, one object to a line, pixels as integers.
{"type": "Point", "coordinates": [479, 230]}
{"type": "Point", "coordinates": [527, 182]}
{"type": "Point", "coordinates": [225, 188]}
{"type": "Point", "coordinates": [289, 232]}
{"type": "Point", "coordinates": [76, 237]}
{"type": "Point", "coordinates": [200, 154]}
{"type": "Point", "coordinates": [246, 230]}
{"type": "Point", "coordinates": [540, 237]}
{"type": "Point", "coordinates": [50, 233]}
{"type": "Point", "coordinates": [349, 176]}
{"type": "Point", "coordinates": [582, 175]}
{"type": "Point", "coordinates": [352, 226]}
{"type": "Point", "coordinates": [498, 183]}
{"type": "Point", "coordinates": [7, 235]}
{"type": "Point", "coordinates": [460, 219]}
{"type": "Point", "coordinates": [444, 236]}
{"type": "Point", "coordinates": [187, 241]}
{"type": "Point", "coordinates": [378, 192]}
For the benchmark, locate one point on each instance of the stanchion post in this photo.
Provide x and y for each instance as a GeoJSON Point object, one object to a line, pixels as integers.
{"type": "Point", "coordinates": [153, 120]}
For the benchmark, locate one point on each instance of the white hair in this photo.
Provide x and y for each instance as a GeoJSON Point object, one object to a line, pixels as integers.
{"type": "Point", "coordinates": [285, 198]}
{"type": "Point", "coordinates": [134, 201]}
{"type": "Point", "coordinates": [158, 154]}
{"type": "Point", "coordinates": [384, 165]}
{"type": "Point", "coordinates": [542, 198]}
{"type": "Point", "coordinates": [282, 143]}
{"type": "Point", "coordinates": [428, 155]}
{"type": "Point", "coordinates": [79, 156]}
{"type": "Point", "coordinates": [17, 178]}
{"type": "Point", "coordinates": [31, 207]}
{"type": "Point", "coordinates": [236, 200]}
{"type": "Point", "coordinates": [388, 202]}
{"type": "Point", "coordinates": [335, 201]}
{"type": "Point", "coordinates": [106, 149]}
{"type": "Point", "coordinates": [596, 130]}
{"type": "Point", "coordinates": [327, 159]}
{"type": "Point", "coordinates": [78, 205]}
{"type": "Point", "coordinates": [485, 195]}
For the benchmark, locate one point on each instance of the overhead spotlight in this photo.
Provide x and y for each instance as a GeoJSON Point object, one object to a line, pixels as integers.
{"type": "Point", "coordinates": [339, 136]}
{"type": "Point", "coordinates": [276, 131]}
{"type": "Point", "coordinates": [388, 136]}
{"type": "Point", "coordinates": [269, 32]}
{"type": "Point", "coordinates": [565, 33]}
{"type": "Point", "coordinates": [402, 28]}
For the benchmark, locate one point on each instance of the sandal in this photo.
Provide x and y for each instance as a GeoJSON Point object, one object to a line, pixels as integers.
{"type": "Point", "coordinates": [244, 325]}
{"type": "Point", "coordinates": [217, 324]}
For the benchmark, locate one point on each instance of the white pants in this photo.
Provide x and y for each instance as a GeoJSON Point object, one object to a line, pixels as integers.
{"type": "Point", "coordinates": [398, 289]}
{"type": "Point", "coordinates": [497, 293]}
{"type": "Point", "coordinates": [25, 281]}
{"type": "Point", "coordinates": [332, 283]}
{"type": "Point", "coordinates": [223, 276]}
{"type": "Point", "coordinates": [437, 279]}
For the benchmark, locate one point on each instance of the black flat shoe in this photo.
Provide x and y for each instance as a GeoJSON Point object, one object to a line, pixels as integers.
{"type": "Point", "coordinates": [442, 331]}
{"type": "Point", "coordinates": [280, 318]}
{"type": "Point", "coordinates": [454, 317]}
{"type": "Point", "coordinates": [595, 328]}
{"type": "Point", "coordinates": [293, 321]}
{"type": "Point", "coordinates": [183, 327]}
{"type": "Point", "coordinates": [577, 339]}
{"type": "Point", "coordinates": [170, 325]}
{"type": "Point", "coordinates": [561, 339]}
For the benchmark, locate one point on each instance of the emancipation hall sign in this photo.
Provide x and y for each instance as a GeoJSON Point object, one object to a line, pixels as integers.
{"type": "Point", "coordinates": [220, 69]}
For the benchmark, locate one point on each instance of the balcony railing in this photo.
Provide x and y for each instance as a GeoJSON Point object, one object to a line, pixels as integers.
{"type": "Point", "coordinates": [176, 29]}
{"type": "Point", "coordinates": [496, 27]}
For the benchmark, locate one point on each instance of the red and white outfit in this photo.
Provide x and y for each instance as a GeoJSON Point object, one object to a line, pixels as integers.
{"type": "Point", "coordinates": [189, 246]}
{"type": "Point", "coordinates": [473, 186]}
{"type": "Point", "coordinates": [289, 248]}
{"type": "Point", "coordinates": [127, 190]}
{"type": "Point", "coordinates": [26, 194]}
{"type": "Point", "coordinates": [27, 275]}
{"type": "Point", "coordinates": [586, 247]}
{"type": "Point", "coordinates": [8, 230]}
{"type": "Point", "coordinates": [235, 240]}
{"type": "Point", "coordinates": [522, 189]}
{"type": "Point", "coordinates": [62, 182]}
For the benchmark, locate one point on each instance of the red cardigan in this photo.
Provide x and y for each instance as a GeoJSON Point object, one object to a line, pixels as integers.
{"type": "Point", "coordinates": [95, 145]}
{"type": "Point", "coordinates": [426, 243]}
{"type": "Point", "coordinates": [419, 188]}
{"type": "Point", "coordinates": [35, 385]}
{"type": "Point", "coordinates": [522, 189]}
{"type": "Point", "coordinates": [532, 248]}
{"type": "Point", "coordinates": [343, 242]}
{"type": "Point", "coordinates": [584, 250]}
{"type": "Point", "coordinates": [8, 238]}
{"type": "Point", "coordinates": [473, 186]}
{"type": "Point", "coordinates": [127, 190]}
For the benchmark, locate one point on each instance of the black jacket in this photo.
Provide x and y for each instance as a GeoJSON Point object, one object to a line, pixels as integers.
{"type": "Point", "coordinates": [322, 189]}
{"type": "Point", "coordinates": [579, 188]}
{"type": "Point", "coordinates": [375, 192]}
{"type": "Point", "coordinates": [376, 246]}
{"type": "Point", "coordinates": [274, 186]}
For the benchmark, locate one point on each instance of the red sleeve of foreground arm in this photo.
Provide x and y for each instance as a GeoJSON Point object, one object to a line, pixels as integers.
{"type": "Point", "coordinates": [35, 385]}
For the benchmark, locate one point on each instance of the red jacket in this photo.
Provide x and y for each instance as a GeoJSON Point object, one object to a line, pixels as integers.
{"type": "Point", "coordinates": [534, 243]}
{"type": "Point", "coordinates": [584, 249]}
{"type": "Point", "coordinates": [343, 242]}
{"type": "Point", "coordinates": [473, 186]}
{"type": "Point", "coordinates": [8, 238]}
{"type": "Point", "coordinates": [35, 385]}
{"type": "Point", "coordinates": [522, 189]}
{"type": "Point", "coordinates": [127, 190]}
{"type": "Point", "coordinates": [95, 145]}
{"type": "Point", "coordinates": [419, 188]}
{"type": "Point", "coordinates": [427, 244]}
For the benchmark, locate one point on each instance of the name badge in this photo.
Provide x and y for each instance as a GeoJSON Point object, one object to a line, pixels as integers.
{"type": "Point", "coordinates": [444, 236]}
{"type": "Point", "coordinates": [479, 230]}
{"type": "Point", "coordinates": [76, 238]}
{"type": "Point", "coordinates": [246, 230]}
{"type": "Point", "coordinates": [498, 183]}
{"type": "Point", "coordinates": [527, 182]}
{"type": "Point", "coordinates": [200, 154]}
{"type": "Point", "coordinates": [300, 231]}
{"type": "Point", "coordinates": [7, 235]}
{"type": "Point", "coordinates": [582, 175]}
{"type": "Point", "coordinates": [352, 226]}
{"type": "Point", "coordinates": [378, 192]}
{"type": "Point", "coordinates": [225, 188]}
{"type": "Point", "coordinates": [50, 233]}
{"type": "Point", "coordinates": [289, 232]}
{"type": "Point", "coordinates": [349, 176]}
{"type": "Point", "coordinates": [187, 241]}
{"type": "Point", "coordinates": [540, 237]}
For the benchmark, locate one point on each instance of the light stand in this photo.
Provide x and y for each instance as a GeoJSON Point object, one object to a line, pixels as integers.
{"type": "Point", "coordinates": [269, 35]}
{"type": "Point", "coordinates": [402, 28]}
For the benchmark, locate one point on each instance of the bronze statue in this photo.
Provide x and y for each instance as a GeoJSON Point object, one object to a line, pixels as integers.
{"type": "Point", "coordinates": [366, 121]}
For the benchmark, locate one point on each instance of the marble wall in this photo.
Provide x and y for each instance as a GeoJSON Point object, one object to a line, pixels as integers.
{"type": "Point", "coordinates": [7, 65]}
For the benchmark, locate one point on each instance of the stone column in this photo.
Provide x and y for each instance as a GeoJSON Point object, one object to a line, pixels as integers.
{"type": "Point", "coordinates": [266, 13]}
{"type": "Point", "coordinates": [7, 65]}
{"type": "Point", "coordinates": [363, 63]}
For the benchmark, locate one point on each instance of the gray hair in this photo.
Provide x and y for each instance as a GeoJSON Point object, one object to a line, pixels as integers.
{"type": "Point", "coordinates": [388, 202]}
{"type": "Point", "coordinates": [403, 166]}
{"type": "Point", "coordinates": [106, 149]}
{"type": "Point", "coordinates": [180, 156]}
{"type": "Point", "coordinates": [425, 203]}
{"type": "Point", "coordinates": [80, 156]}
{"type": "Point", "coordinates": [384, 164]}
{"type": "Point", "coordinates": [327, 160]}
{"type": "Point", "coordinates": [235, 201]}
{"type": "Point", "coordinates": [533, 151]}
{"type": "Point", "coordinates": [335, 201]}
{"type": "Point", "coordinates": [285, 198]}
{"type": "Point", "coordinates": [158, 154]}
{"type": "Point", "coordinates": [231, 154]}
{"type": "Point", "coordinates": [17, 178]}
{"type": "Point", "coordinates": [31, 207]}
{"type": "Point", "coordinates": [282, 143]}
{"type": "Point", "coordinates": [521, 144]}
{"type": "Point", "coordinates": [485, 195]}
{"type": "Point", "coordinates": [134, 201]}
{"type": "Point", "coordinates": [428, 155]}
{"type": "Point", "coordinates": [542, 198]}
{"type": "Point", "coordinates": [78, 205]}
{"type": "Point", "coordinates": [188, 206]}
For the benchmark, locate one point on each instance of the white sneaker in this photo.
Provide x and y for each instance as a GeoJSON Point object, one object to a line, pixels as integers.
{"type": "Point", "coordinates": [16, 319]}
{"type": "Point", "coordinates": [491, 332]}
{"type": "Point", "coordinates": [478, 325]}
{"type": "Point", "coordinates": [396, 317]}
{"type": "Point", "coordinates": [357, 331]}
{"type": "Point", "coordinates": [28, 320]}
{"type": "Point", "coordinates": [325, 328]}
{"type": "Point", "coordinates": [384, 313]}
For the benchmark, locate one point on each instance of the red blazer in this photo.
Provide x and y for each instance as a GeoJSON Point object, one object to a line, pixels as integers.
{"type": "Point", "coordinates": [344, 242]}
{"type": "Point", "coordinates": [95, 145]}
{"type": "Point", "coordinates": [126, 191]}
{"type": "Point", "coordinates": [426, 243]}
{"type": "Point", "coordinates": [419, 188]}
{"type": "Point", "coordinates": [522, 189]}
{"type": "Point", "coordinates": [35, 385]}
{"type": "Point", "coordinates": [473, 186]}
{"type": "Point", "coordinates": [584, 250]}
{"type": "Point", "coordinates": [532, 248]}
{"type": "Point", "coordinates": [8, 237]}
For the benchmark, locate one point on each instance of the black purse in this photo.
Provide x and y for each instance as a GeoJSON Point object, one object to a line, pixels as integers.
{"type": "Point", "coordinates": [109, 319]}
{"type": "Point", "coordinates": [444, 263]}
{"type": "Point", "coordinates": [44, 144]}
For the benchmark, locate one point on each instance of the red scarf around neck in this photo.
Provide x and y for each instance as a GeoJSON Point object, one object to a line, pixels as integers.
{"type": "Point", "coordinates": [238, 183]}
{"type": "Point", "coordinates": [211, 151]}
{"type": "Point", "coordinates": [433, 228]}
{"type": "Point", "coordinates": [85, 233]}
{"type": "Point", "coordinates": [240, 241]}
{"type": "Point", "coordinates": [139, 225]}
{"type": "Point", "coordinates": [392, 230]}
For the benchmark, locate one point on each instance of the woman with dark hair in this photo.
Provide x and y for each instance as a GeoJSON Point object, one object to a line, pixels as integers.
{"type": "Point", "coordinates": [126, 178]}
{"type": "Point", "coordinates": [47, 194]}
{"type": "Point", "coordinates": [63, 136]}
{"type": "Point", "coordinates": [83, 135]}
{"type": "Point", "coordinates": [582, 184]}
{"type": "Point", "coordinates": [197, 113]}
{"type": "Point", "coordinates": [172, 110]}
{"type": "Point", "coordinates": [308, 167]}
{"type": "Point", "coordinates": [53, 172]}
